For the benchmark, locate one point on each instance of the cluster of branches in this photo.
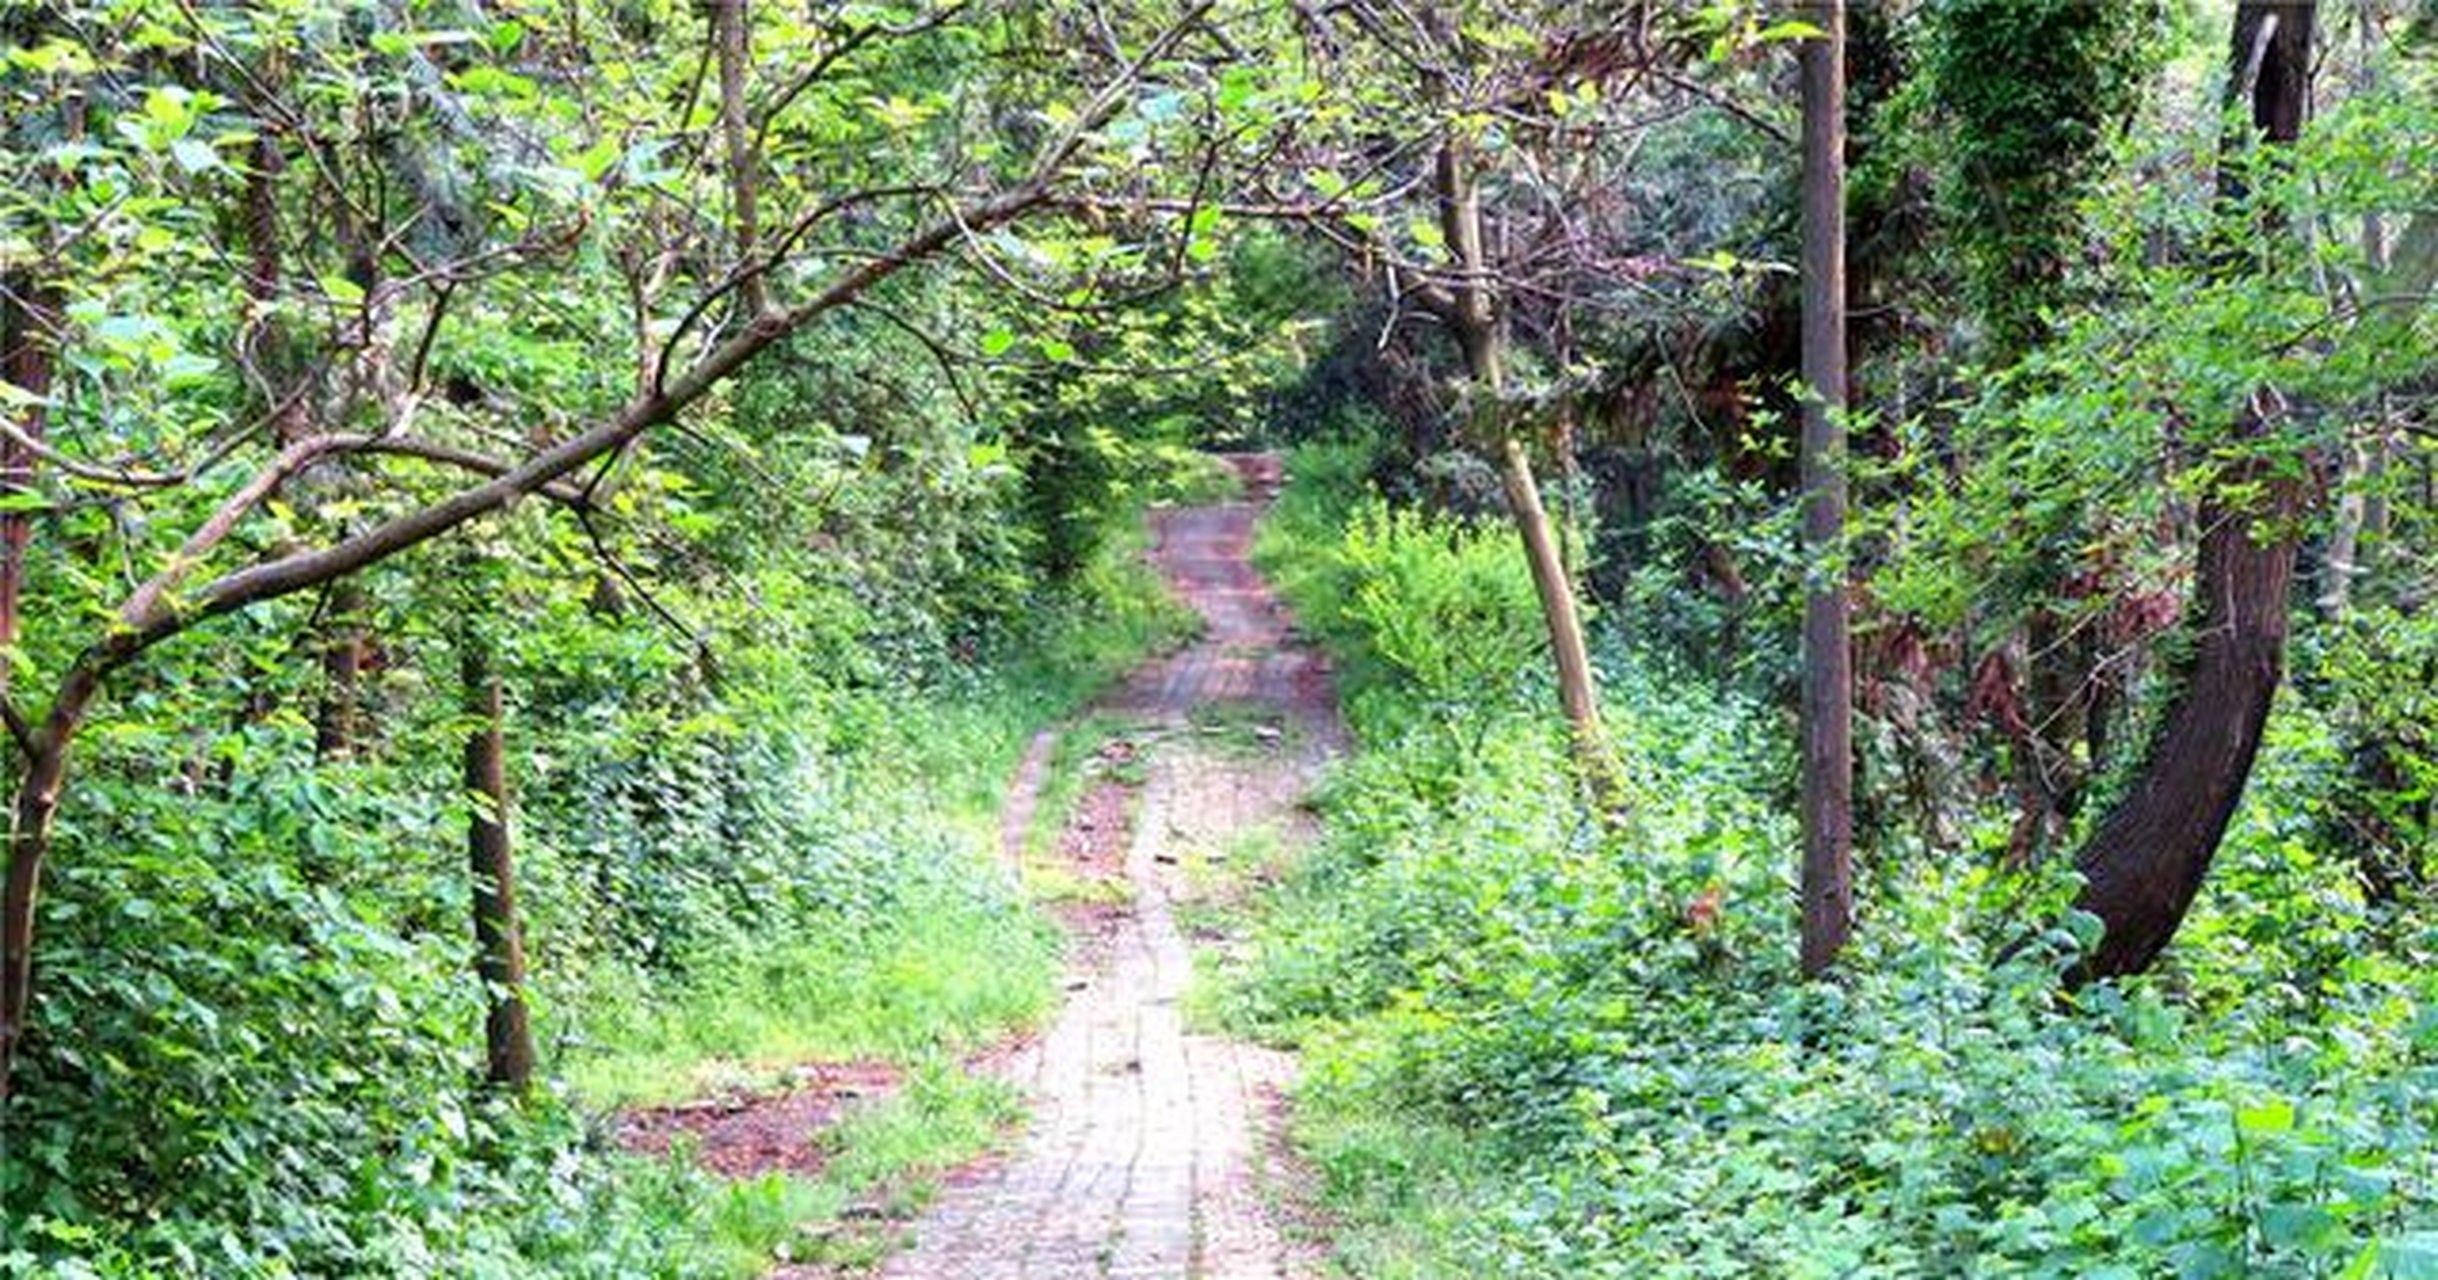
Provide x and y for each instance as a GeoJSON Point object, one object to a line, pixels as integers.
{"type": "Point", "coordinates": [363, 194]}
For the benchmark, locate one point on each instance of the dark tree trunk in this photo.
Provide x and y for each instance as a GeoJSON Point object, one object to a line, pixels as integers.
{"type": "Point", "coordinates": [499, 939]}
{"type": "Point", "coordinates": [1828, 666]}
{"type": "Point", "coordinates": [2145, 862]}
{"type": "Point", "coordinates": [35, 804]}
{"type": "Point", "coordinates": [28, 312]}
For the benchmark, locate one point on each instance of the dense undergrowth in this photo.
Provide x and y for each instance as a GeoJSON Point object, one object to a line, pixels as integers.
{"type": "Point", "coordinates": [275, 1052]}
{"type": "Point", "coordinates": [1535, 1049]}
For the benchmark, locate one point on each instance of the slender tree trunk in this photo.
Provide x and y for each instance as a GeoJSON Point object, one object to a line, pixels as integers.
{"type": "Point", "coordinates": [2145, 862]}
{"type": "Point", "coordinates": [733, 30]}
{"type": "Point", "coordinates": [1828, 665]}
{"type": "Point", "coordinates": [35, 804]}
{"type": "Point", "coordinates": [2344, 560]}
{"type": "Point", "coordinates": [499, 938]}
{"type": "Point", "coordinates": [28, 313]}
{"type": "Point", "coordinates": [1577, 692]}
{"type": "Point", "coordinates": [2359, 510]}
{"type": "Point", "coordinates": [1481, 337]}
{"type": "Point", "coordinates": [338, 719]}
{"type": "Point", "coordinates": [29, 840]}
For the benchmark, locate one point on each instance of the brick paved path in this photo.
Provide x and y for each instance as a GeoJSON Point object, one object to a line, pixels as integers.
{"type": "Point", "coordinates": [1145, 1156]}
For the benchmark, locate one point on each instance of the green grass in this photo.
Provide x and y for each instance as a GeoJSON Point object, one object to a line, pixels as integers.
{"type": "Point", "coordinates": [1397, 1192]}
{"type": "Point", "coordinates": [963, 746]}
{"type": "Point", "coordinates": [945, 971]}
{"type": "Point", "coordinates": [1075, 764]}
{"type": "Point", "coordinates": [950, 976]}
{"type": "Point", "coordinates": [886, 1160]}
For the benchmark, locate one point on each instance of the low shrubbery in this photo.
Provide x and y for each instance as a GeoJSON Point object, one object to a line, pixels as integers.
{"type": "Point", "coordinates": [1539, 1049]}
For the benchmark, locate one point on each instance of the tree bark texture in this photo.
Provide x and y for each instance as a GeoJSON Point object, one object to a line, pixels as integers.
{"type": "Point", "coordinates": [499, 937]}
{"type": "Point", "coordinates": [1828, 664]}
{"type": "Point", "coordinates": [2145, 862]}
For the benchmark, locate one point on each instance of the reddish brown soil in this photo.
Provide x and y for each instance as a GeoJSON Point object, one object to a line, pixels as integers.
{"type": "Point", "coordinates": [746, 1135]}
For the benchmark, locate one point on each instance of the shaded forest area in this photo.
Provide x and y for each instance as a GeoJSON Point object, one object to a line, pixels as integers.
{"type": "Point", "coordinates": [1879, 559]}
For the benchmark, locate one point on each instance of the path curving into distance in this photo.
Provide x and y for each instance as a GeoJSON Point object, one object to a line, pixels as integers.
{"type": "Point", "coordinates": [1152, 1148]}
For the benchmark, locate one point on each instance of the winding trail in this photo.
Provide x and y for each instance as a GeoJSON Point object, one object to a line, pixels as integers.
{"type": "Point", "coordinates": [1151, 1151]}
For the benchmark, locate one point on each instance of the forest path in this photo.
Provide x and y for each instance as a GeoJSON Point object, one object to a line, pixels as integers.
{"type": "Point", "coordinates": [1151, 1147]}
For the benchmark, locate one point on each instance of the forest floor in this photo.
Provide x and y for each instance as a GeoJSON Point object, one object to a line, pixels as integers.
{"type": "Point", "coordinates": [1153, 1147]}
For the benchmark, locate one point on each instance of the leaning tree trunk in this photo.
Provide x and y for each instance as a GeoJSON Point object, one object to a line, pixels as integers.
{"type": "Point", "coordinates": [28, 315]}
{"type": "Point", "coordinates": [1578, 695]}
{"type": "Point", "coordinates": [1828, 664]}
{"type": "Point", "coordinates": [2145, 862]}
{"type": "Point", "coordinates": [1473, 315]}
{"type": "Point", "coordinates": [31, 810]}
{"type": "Point", "coordinates": [499, 938]}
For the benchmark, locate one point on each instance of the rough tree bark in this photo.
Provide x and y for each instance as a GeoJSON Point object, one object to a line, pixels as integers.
{"type": "Point", "coordinates": [733, 32]}
{"type": "Point", "coordinates": [499, 935]}
{"type": "Point", "coordinates": [1828, 666]}
{"type": "Point", "coordinates": [2145, 862]}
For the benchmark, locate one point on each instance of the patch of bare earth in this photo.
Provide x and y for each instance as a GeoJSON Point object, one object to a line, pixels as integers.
{"type": "Point", "coordinates": [745, 1135]}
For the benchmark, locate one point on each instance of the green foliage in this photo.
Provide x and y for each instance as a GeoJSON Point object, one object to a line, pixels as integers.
{"type": "Point", "coordinates": [2031, 91]}
{"type": "Point", "coordinates": [258, 1042]}
{"type": "Point", "coordinates": [1533, 1052]}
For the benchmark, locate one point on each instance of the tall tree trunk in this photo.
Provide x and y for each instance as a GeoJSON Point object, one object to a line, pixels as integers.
{"type": "Point", "coordinates": [2359, 511]}
{"type": "Point", "coordinates": [499, 938]}
{"type": "Point", "coordinates": [338, 719]}
{"type": "Point", "coordinates": [2146, 860]}
{"type": "Point", "coordinates": [1828, 665]}
{"type": "Point", "coordinates": [29, 841]}
{"type": "Point", "coordinates": [269, 353]}
{"type": "Point", "coordinates": [1481, 337]}
{"type": "Point", "coordinates": [733, 32]}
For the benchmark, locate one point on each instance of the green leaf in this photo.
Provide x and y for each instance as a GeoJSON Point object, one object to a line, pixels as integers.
{"type": "Point", "coordinates": [1791, 29]}
{"type": "Point", "coordinates": [997, 342]}
{"type": "Point", "coordinates": [2273, 1116]}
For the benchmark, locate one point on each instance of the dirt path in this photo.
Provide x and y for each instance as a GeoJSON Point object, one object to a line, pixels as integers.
{"type": "Point", "coordinates": [1147, 1151]}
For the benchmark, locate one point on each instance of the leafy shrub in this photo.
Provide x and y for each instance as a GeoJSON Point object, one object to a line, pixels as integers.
{"type": "Point", "coordinates": [257, 1050]}
{"type": "Point", "coordinates": [1537, 1051]}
